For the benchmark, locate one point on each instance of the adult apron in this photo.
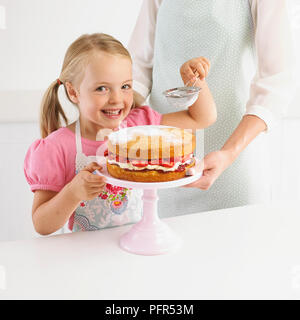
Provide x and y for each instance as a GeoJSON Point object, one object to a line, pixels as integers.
{"type": "Point", "coordinates": [114, 206]}
{"type": "Point", "coordinates": [222, 31]}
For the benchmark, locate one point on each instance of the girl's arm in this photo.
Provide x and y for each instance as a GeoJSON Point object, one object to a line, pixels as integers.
{"type": "Point", "coordinates": [203, 112]}
{"type": "Point", "coordinates": [51, 210]}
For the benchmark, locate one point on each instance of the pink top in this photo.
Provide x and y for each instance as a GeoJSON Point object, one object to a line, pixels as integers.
{"type": "Point", "coordinates": [50, 163]}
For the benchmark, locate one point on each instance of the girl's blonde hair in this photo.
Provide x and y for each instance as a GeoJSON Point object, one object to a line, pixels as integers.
{"type": "Point", "coordinates": [75, 61]}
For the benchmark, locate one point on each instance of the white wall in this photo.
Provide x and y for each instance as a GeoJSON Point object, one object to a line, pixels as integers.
{"type": "Point", "coordinates": [15, 195]}
{"type": "Point", "coordinates": [35, 40]}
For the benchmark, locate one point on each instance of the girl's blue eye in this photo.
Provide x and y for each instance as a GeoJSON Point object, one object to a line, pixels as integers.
{"type": "Point", "coordinates": [126, 86]}
{"type": "Point", "coordinates": [101, 89]}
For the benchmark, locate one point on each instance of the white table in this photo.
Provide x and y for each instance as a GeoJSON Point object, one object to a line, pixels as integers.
{"type": "Point", "coordinates": [249, 252]}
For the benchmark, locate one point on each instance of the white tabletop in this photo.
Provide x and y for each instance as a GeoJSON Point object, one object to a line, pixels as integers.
{"type": "Point", "coordinates": [241, 253]}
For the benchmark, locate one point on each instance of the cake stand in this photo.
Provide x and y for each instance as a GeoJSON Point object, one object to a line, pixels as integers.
{"type": "Point", "coordinates": [150, 236]}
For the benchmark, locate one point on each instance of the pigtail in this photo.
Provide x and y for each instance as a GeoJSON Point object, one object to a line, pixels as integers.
{"type": "Point", "coordinates": [51, 110]}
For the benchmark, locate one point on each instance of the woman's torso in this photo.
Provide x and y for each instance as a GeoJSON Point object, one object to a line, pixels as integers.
{"type": "Point", "coordinates": [223, 32]}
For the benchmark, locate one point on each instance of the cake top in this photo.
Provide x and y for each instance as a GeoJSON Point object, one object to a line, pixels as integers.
{"type": "Point", "coordinates": [144, 138]}
{"type": "Point", "coordinates": [168, 134]}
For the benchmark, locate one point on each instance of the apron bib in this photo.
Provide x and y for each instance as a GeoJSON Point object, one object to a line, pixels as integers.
{"type": "Point", "coordinates": [114, 206]}
{"type": "Point", "coordinates": [222, 31]}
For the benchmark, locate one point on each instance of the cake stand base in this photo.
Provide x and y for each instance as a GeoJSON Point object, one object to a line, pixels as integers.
{"type": "Point", "coordinates": [162, 241]}
{"type": "Point", "coordinates": [150, 236]}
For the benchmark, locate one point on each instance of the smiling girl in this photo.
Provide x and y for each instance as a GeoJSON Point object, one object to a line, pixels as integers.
{"type": "Point", "coordinates": [97, 79]}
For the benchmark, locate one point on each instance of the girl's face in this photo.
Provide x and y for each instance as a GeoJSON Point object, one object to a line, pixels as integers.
{"type": "Point", "coordinates": [105, 95]}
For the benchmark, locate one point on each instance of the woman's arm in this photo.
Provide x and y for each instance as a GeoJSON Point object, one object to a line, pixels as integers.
{"type": "Point", "coordinates": [271, 89]}
{"type": "Point", "coordinates": [216, 162]}
{"type": "Point", "coordinates": [141, 48]}
{"type": "Point", "coordinates": [248, 129]}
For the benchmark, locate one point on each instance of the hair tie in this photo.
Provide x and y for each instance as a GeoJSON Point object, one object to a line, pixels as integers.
{"type": "Point", "coordinates": [59, 82]}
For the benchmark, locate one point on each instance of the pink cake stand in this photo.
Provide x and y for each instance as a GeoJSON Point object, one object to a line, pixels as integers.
{"type": "Point", "coordinates": [150, 236]}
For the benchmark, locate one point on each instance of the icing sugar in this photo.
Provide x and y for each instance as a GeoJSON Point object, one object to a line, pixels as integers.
{"type": "Point", "coordinates": [128, 134]}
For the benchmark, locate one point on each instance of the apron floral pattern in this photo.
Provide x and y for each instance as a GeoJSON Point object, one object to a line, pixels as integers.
{"type": "Point", "coordinates": [114, 206]}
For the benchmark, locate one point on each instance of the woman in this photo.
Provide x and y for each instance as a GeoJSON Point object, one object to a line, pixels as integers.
{"type": "Point", "coordinates": [248, 43]}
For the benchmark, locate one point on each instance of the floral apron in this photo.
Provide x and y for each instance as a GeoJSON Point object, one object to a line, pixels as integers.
{"type": "Point", "coordinates": [114, 206]}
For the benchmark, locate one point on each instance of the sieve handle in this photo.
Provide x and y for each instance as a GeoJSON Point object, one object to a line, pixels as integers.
{"type": "Point", "coordinates": [197, 78]}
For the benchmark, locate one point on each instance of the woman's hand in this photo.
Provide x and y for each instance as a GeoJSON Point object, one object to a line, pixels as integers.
{"type": "Point", "coordinates": [214, 163]}
{"type": "Point", "coordinates": [86, 185]}
{"type": "Point", "coordinates": [193, 69]}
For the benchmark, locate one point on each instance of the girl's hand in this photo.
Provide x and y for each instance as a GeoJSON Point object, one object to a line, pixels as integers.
{"type": "Point", "coordinates": [214, 163]}
{"type": "Point", "coordinates": [194, 69]}
{"type": "Point", "coordinates": [86, 185]}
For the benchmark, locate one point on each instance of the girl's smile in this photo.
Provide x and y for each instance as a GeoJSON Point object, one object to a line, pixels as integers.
{"type": "Point", "coordinates": [112, 113]}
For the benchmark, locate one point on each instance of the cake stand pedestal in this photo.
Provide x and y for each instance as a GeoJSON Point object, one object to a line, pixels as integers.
{"type": "Point", "coordinates": [150, 236]}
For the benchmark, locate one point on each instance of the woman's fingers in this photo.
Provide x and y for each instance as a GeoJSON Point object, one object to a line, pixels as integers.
{"type": "Point", "coordinates": [204, 183]}
{"type": "Point", "coordinates": [214, 164]}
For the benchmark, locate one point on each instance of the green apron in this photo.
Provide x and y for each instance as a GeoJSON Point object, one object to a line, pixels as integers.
{"type": "Point", "coordinates": [222, 31]}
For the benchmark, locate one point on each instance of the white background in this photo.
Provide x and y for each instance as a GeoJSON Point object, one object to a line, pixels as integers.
{"type": "Point", "coordinates": [34, 35]}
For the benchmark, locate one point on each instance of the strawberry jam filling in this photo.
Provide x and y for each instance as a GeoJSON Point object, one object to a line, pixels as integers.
{"type": "Point", "coordinates": [168, 163]}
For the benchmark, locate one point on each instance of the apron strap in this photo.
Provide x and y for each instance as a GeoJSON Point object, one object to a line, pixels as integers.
{"type": "Point", "coordinates": [78, 137]}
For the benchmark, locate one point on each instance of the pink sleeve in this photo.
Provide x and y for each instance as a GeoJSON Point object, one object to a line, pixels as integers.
{"type": "Point", "coordinates": [44, 166]}
{"type": "Point", "coordinates": [142, 116]}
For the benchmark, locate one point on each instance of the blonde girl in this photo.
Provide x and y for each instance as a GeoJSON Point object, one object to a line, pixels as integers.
{"type": "Point", "coordinates": [97, 78]}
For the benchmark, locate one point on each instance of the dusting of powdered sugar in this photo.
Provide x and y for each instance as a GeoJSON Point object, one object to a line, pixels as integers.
{"type": "Point", "coordinates": [130, 133]}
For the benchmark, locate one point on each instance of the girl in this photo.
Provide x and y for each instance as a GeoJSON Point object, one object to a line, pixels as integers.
{"type": "Point", "coordinates": [97, 78]}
